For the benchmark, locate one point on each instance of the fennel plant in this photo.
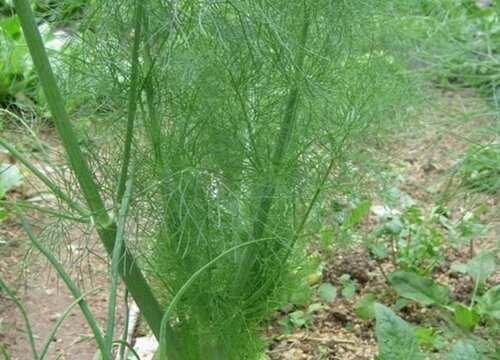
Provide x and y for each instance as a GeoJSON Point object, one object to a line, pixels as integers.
{"type": "Point", "coordinates": [238, 115]}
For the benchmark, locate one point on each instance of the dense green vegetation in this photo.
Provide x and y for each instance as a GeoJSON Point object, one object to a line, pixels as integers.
{"type": "Point", "coordinates": [218, 148]}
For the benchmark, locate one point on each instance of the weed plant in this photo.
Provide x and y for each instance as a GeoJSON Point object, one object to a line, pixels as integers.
{"type": "Point", "coordinates": [464, 320]}
{"type": "Point", "coordinates": [457, 42]}
{"type": "Point", "coordinates": [480, 169]}
{"type": "Point", "coordinates": [214, 130]}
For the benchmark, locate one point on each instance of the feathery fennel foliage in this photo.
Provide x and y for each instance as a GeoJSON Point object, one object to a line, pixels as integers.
{"type": "Point", "coordinates": [246, 112]}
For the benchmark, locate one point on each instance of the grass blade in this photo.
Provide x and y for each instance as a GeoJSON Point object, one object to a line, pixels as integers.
{"type": "Point", "coordinates": [115, 262]}
{"type": "Point", "coordinates": [24, 315]}
{"type": "Point", "coordinates": [70, 285]}
{"type": "Point", "coordinates": [52, 333]}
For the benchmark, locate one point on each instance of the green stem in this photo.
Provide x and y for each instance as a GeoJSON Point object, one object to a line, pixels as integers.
{"type": "Point", "coordinates": [126, 345]}
{"type": "Point", "coordinates": [266, 198]}
{"type": "Point", "coordinates": [122, 349]}
{"type": "Point", "coordinates": [132, 101]}
{"type": "Point", "coordinates": [141, 292]}
{"type": "Point", "coordinates": [56, 190]}
{"type": "Point", "coordinates": [60, 116]}
{"type": "Point", "coordinates": [70, 285]}
{"type": "Point", "coordinates": [50, 338]}
{"type": "Point", "coordinates": [106, 228]}
{"type": "Point", "coordinates": [117, 252]}
{"type": "Point", "coordinates": [151, 119]}
{"type": "Point", "coordinates": [24, 314]}
{"type": "Point", "coordinates": [171, 307]}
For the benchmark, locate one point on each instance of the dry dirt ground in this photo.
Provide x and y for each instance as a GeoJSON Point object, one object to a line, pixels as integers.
{"type": "Point", "coordinates": [424, 158]}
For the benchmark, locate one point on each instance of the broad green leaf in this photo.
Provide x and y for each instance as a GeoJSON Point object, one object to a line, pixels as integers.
{"type": "Point", "coordinates": [348, 288]}
{"type": "Point", "coordinates": [286, 325]}
{"type": "Point", "coordinates": [428, 339]}
{"type": "Point", "coordinates": [299, 318]}
{"type": "Point", "coordinates": [466, 317]}
{"type": "Point", "coordinates": [327, 292]}
{"type": "Point", "coordinates": [400, 304]}
{"type": "Point", "coordinates": [489, 303]}
{"type": "Point", "coordinates": [481, 266]}
{"type": "Point", "coordinates": [423, 334]}
{"type": "Point", "coordinates": [345, 278]}
{"type": "Point", "coordinates": [365, 307]}
{"type": "Point", "coordinates": [378, 250]}
{"type": "Point", "coordinates": [392, 228]}
{"type": "Point", "coordinates": [460, 268]}
{"type": "Point", "coordinates": [463, 350]}
{"type": "Point", "coordinates": [395, 337]}
{"type": "Point", "coordinates": [418, 288]}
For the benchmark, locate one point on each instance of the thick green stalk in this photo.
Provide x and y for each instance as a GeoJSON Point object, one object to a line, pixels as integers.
{"type": "Point", "coordinates": [59, 114]}
{"type": "Point", "coordinates": [106, 228]}
{"type": "Point", "coordinates": [266, 198]}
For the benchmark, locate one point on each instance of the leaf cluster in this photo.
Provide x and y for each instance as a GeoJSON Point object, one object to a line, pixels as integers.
{"type": "Point", "coordinates": [392, 331]}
